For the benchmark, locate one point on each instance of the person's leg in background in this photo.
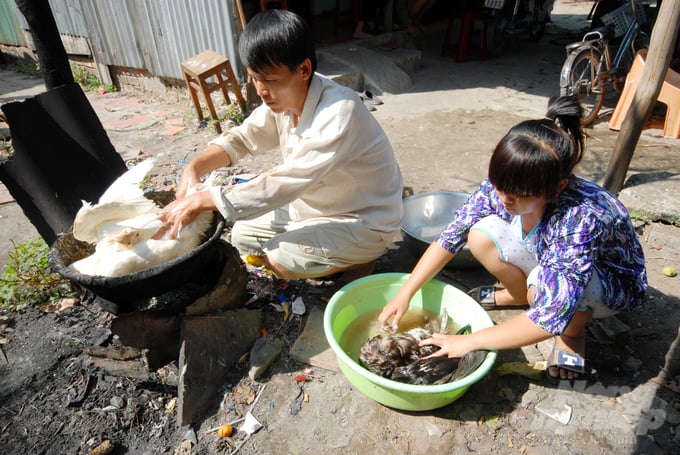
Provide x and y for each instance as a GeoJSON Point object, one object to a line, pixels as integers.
{"type": "Point", "coordinates": [370, 11]}
{"type": "Point", "coordinates": [416, 12]}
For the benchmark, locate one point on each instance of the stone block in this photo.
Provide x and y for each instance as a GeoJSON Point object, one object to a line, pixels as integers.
{"type": "Point", "coordinates": [158, 334]}
{"type": "Point", "coordinates": [230, 291]}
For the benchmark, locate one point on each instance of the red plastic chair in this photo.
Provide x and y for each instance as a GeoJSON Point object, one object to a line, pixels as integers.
{"type": "Point", "coordinates": [462, 48]}
{"type": "Point", "coordinates": [269, 4]}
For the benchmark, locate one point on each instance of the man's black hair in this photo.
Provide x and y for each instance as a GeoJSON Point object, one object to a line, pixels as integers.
{"type": "Point", "coordinates": [276, 37]}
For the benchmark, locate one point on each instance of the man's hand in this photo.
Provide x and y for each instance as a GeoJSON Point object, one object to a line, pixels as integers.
{"type": "Point", "coordinates": [213, 157]}
{"type": "Point", "coordinates": [183, 211]}
{"type": "Point", "coordinates": [189, 178]}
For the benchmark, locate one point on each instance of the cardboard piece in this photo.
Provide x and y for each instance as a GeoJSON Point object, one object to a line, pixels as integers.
{"type": "Point", "coordinates": [312, 347]}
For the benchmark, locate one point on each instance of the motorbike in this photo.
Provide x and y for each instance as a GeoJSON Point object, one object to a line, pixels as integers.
{"type": "Point", "coordinates": [512, 18]}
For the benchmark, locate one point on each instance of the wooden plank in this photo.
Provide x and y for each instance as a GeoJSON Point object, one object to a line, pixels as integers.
{"type": "Point", "coordinates": [146, 329]}
{"type": "Point", "coordinates": [123, 368]}
{"type": "Point", "coordinates": [230, 291]}
{"type": "Point", "coordinates": [312, 347]}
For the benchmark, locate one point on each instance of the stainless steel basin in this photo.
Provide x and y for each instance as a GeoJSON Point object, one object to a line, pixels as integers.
{"type": "Point", "coordinates": [426, 215]}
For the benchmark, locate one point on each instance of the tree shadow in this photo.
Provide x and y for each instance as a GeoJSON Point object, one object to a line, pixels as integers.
{"type": "Point", "coordinates": [647, 177]}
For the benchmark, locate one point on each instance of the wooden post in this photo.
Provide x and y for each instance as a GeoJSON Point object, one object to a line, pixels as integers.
{"type": "Point", "coordinates": [252, 100]}
{"type": "Point", "coordinates": [661, 47]}
{"type": "Point", "coordinates": [241, 14]}
{"type": "Point", "coordinates": [51, 53]}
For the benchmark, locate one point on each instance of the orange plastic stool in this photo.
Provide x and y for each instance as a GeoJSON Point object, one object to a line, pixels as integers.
{"type": "Point", "coordinates": [199, 72]}
{"type": "Point", "coordinates": [669, 95]}
{"type": "Point", "coordinates": [467, 25]}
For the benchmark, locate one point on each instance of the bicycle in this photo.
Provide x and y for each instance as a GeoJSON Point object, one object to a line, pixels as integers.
{"type": "Point", "coordinates": [590, 68]}
{"type": "Point", "coordinates": [511, 18]}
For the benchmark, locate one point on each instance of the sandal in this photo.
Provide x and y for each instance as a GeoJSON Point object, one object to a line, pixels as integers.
{"type": "Point", "coordinates": [369, 97]}
{"type": "Point", "coordinates": [565, 359]}
{"type": "Point", "coordinates": [370, 107]}
{"type": "Point", "coordinates": [486, 297]}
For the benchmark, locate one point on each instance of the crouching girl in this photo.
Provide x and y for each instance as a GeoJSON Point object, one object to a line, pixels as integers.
{"type": "Point", "coordinates": [560, 246]}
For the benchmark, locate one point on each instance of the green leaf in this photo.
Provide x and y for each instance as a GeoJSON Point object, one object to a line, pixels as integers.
{"type": "Point", "coordinates": [27, 277]}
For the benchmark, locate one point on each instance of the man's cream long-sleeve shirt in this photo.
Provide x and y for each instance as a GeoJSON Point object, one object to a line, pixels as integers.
{"type": "Point", "coordinates": [338, 164]}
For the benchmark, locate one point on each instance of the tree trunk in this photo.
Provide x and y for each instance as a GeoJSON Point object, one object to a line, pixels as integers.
{"type": "Point", "coordinates": [661, 48]}
{"type": "Point", "coordinates": [51, 53]}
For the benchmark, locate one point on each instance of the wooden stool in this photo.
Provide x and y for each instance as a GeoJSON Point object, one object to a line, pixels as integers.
{"type": "Point", "coordinates": [467, 25]}
{"type": "Point", "coordinates": [199, 70]}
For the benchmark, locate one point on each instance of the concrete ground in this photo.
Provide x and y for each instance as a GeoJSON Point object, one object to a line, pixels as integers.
{"type": "Point", "coordinates": [443, 118]}
{"type": "Point", "coordinates": [420, 90]}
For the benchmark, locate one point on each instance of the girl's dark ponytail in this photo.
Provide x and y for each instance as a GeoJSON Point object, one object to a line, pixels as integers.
{"type": "Point", "coordinates": [536, 155]}
{"type": "Point", "coordinates": [566, 112]}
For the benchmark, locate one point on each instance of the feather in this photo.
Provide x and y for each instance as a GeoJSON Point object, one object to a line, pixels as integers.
{"type": "Point", "coordinates": [128, 186]}
{"type": "Point", "coordinates": [93, 223]}
{"type": "Point", "coordinates": [122, 201]}
{"type": "Point", "coordinates": [122, 224]}
{"type": "Point", "coordinates": [399, 357]}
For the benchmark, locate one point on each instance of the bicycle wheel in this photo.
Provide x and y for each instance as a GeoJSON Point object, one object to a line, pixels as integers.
{"type": "Point", "coordinates": [536, 30]}
{"type": "Point", "coordinates": [640, 42]}
{"type": "Point", "coordinates": [579, 78]}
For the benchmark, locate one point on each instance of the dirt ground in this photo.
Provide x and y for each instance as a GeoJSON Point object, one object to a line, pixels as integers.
{"type": "Point", "coordinates": [53, 400]}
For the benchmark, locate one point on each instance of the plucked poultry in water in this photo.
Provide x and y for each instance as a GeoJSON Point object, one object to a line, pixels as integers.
{"type": "Point", "coordinates": [397, 356]}
{"type": "Point", "coordinates": [121, 226]}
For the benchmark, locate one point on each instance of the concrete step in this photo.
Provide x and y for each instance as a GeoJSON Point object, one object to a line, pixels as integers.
{"type": "Point", "coordinates": [382, 64]}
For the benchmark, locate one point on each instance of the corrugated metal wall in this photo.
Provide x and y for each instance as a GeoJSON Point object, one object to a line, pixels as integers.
{"type": "Point", "coordinates": [155, 35]}
{"type": "Point", "coordinates": [158, 35]}
{"type": "Point", "coordinates": [10, 28]}
{"type": "Point", "coordinates": [68, 14]}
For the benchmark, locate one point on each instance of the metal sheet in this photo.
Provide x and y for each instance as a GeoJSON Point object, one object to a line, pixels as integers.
{"type": "Point", "coordinates": [152, 35]}
{"type": "Point", "coordinates": [157, 35]}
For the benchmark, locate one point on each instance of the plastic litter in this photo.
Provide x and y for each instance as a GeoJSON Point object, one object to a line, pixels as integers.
{"type": "Point", "coordinates": [240, 178]}
{"type": "Point", "coordinates": [558, 412]}
{"type": "Point", "coordinates": [299, 306]}
{"type": "Point", "coordinates": [190, 436]}
{"type": "Point", "coordinates": [297, 403]}
{"type": "Point", "coordinates": [250, 424]}
{"type": "Point", "coordinates": [283, 307]}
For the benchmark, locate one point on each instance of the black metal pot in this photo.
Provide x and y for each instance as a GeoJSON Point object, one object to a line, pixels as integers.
{"type": "Point", "coordinates": [186, 277]}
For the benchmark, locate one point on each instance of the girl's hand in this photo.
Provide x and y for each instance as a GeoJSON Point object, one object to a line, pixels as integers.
{"type": "Point", "coordinates": [509, 334]}
{"type": "Point", "coordinates": [432, 261]}
{"type": "Point", "coordinates": [397, 307]}
{"type": "Point", "coordinates": [452, 346]}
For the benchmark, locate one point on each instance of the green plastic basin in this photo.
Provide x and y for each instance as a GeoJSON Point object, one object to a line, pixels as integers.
{"type": "Point", "coordinates": [373, 292]}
